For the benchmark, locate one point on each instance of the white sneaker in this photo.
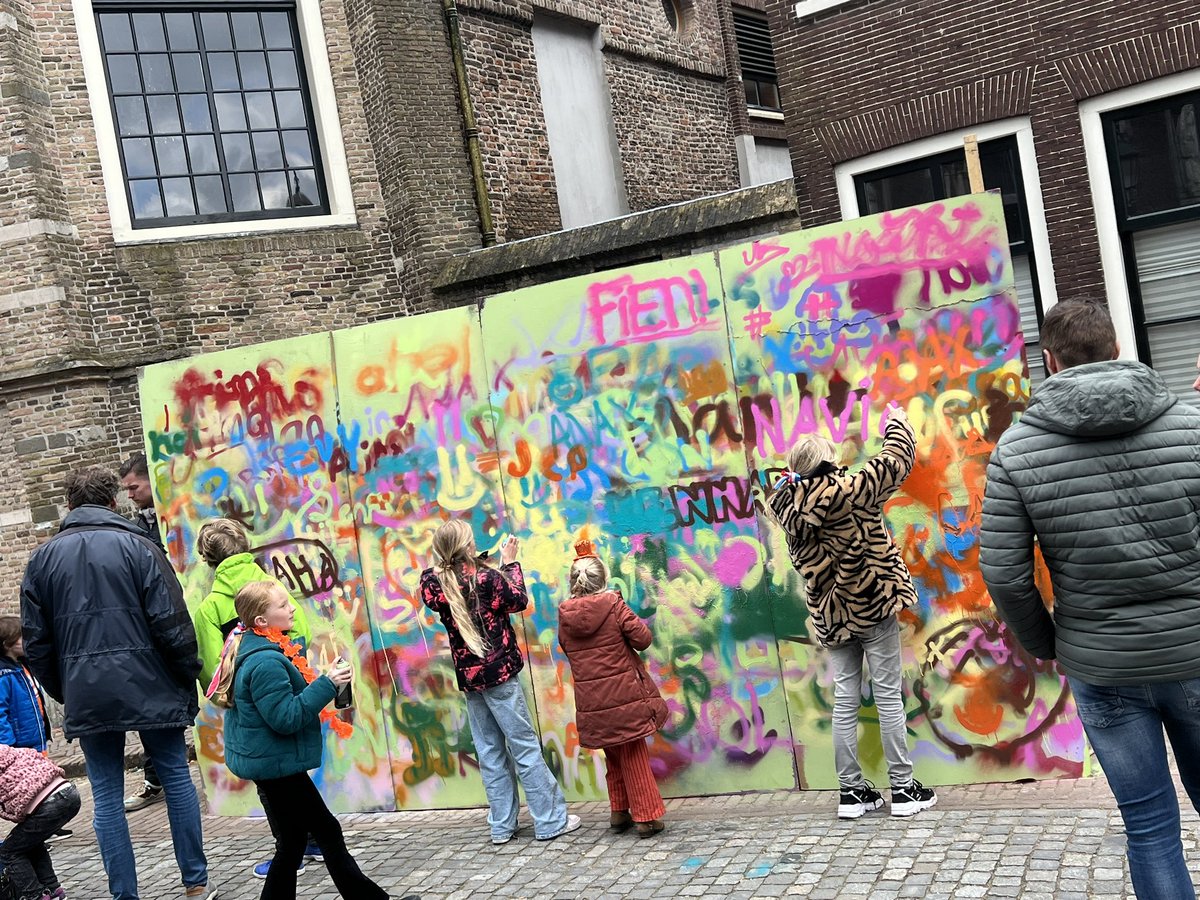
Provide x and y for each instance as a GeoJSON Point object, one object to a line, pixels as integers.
{"type": "Point", "coordinates": [147, 795]}
{"type": "Point", "coordinates": [573, 823]}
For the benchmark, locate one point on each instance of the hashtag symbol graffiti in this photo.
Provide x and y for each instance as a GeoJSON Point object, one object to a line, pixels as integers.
{"type": "Point", "coordinates": [756, 322]}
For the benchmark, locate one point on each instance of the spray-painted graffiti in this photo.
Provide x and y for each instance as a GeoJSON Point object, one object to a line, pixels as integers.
{"type": "Point", "coordinates": [644, 408]}
{"type": "Point", "coordinates": [827, 327]}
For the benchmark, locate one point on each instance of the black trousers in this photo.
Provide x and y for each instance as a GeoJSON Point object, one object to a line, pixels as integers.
{"type": "Point", "coordinates": [296, 809]}
{"type": "Point", "coordinates": [24, 853]}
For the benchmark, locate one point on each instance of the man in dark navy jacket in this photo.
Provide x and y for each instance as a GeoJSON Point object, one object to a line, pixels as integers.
{"type": "Point", "coordinates": [108, 635]}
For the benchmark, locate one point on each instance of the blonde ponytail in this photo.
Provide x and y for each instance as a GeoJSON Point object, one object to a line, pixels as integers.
{"type": "Point", "coordinates": [222, 694]}
{"type": "Point", "coordinates": [454, 544]}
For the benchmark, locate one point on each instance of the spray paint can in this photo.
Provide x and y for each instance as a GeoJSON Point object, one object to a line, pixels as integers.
{"type": "Point", "coordinates": [344, 698]}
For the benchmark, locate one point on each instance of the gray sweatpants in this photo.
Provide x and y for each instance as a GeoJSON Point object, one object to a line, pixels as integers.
{"type": "Point", "coordinates": [880, 646]}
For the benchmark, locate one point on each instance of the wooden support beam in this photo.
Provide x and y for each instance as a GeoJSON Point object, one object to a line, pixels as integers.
{"type": "Point", "coordinates": [974, 169]}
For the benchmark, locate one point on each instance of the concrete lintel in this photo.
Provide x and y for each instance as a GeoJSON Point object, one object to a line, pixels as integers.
{"type": "Point", "coordinates": [23, 231]}
{"type": "Point", "coordinates": [647, 230]}
{"type": "Point", "coordinates": [32, 297]}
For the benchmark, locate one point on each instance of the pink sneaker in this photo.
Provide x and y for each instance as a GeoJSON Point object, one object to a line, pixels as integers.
{"type": "Point", "coordinates": [57, 894]}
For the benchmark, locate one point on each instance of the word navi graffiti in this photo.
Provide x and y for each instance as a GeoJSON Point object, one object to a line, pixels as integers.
{"type": "Point", "coordinates": [648, 409]}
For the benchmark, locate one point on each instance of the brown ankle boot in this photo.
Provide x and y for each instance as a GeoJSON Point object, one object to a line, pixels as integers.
{"type": "Point", "coordinates": [649, 829]}
{"type": "Point", "coordinates": [620, 821]}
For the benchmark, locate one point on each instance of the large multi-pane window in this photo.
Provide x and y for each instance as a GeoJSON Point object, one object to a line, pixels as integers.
{"type": "Point", "coordinates": [945, 175]}
{"type": "Point", "coordinates": [1154, 160]}
{"type": "Point", "coordinates": [212, 113]}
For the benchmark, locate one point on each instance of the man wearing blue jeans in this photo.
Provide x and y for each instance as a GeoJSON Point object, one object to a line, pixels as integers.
{"type": "Point", "coordinates": [108, 635]}
{"type": "Point", "coordinates": [1103, 471]}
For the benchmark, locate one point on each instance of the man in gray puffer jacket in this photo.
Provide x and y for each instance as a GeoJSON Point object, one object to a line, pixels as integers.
{"type": "Point", "coordinates": [1103, 471]}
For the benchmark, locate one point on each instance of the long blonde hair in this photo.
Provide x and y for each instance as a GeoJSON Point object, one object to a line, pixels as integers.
{"type": "Point", "coordinates": [453, 543]}
{"type": "Point", "coordinates": [589, 575]}
{"type": "Point", "coordinates": [250, 603]}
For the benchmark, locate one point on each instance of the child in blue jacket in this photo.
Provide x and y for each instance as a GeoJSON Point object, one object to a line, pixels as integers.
{"type": "Point", "coordinates": [23, 721]}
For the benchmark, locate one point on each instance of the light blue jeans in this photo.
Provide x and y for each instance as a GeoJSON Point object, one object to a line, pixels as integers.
{"type": "Point", "coordinates": [506, 746]}
{"type": "Point", "coordinates": [880, 647]}
{"type": "Point", "coordinates": [104, 755]}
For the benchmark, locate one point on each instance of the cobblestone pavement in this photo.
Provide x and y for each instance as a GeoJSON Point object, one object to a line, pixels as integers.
{"type": "Point", "coordinates": [1060, 840]}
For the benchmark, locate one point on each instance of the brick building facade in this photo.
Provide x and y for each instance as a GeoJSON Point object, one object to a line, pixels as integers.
{"type": "Point", "coordinates": [181, 178]}
{"type": "Point", "coordinates": [1086, 113]}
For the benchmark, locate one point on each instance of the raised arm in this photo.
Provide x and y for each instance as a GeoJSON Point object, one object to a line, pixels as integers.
{"type": "Point", "coordinates": [882, 475]}
{"type": "Point", "coordinates": [635, 630]}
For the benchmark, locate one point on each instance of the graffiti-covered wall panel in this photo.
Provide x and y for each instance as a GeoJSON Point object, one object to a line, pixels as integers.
{"type": "Point", "coordinates": [917, 308]}
{"type": "Point", "coordinates": [253, 434]}
{"type": "Point", "coordinates": [647, 409]}
{"type": "Point", "coordinates": [414, 405]}
{"type": "Point", "coordinates": [617, 421]}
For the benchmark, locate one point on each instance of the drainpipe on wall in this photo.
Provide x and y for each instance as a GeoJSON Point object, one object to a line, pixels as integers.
{"type": "Point", "coordinates": [472, 131]}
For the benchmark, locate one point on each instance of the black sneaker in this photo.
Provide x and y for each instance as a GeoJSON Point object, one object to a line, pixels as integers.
{"type": "Point", "coordinates": [908, 801]}
{"type": "Point", "coordinates": [856, 801]}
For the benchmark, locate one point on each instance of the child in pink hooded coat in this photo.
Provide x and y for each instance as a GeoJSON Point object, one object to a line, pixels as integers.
{"type": "Point", "coordinates": [34, 793]}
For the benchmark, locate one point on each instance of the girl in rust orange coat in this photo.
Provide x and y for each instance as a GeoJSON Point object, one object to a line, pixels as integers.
{"type": "Point", "coordinates": [617, 705]}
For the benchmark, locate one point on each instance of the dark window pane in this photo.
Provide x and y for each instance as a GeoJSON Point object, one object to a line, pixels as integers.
{"type": "Point", "coordinates": [148, 29]}
{"type": "Point", "coordinates": [246, 35]}
{"type": "Point", "coordinates": [196, 115]}
{"type": "Point", "coordinates": [751, 92]}
{"type": "Point", "coordinates": [222, 68]}
{"type": "Point", "coordinates": [274, 190]}
{"type": "Point", "coordinates": [244, 189]}
{"type": "Point", "coordinates": [171, 158]}
{"type": "Point", "coordinates": [897, 191]}
{"type": "Point", "coordinates": [253, 67]}
{"type": "Point", "coordinates": [139, 157]}
{"type": "Point", "coordinates": [768, 94]}
{"type": "Point", "coordinates": [123, 75]}
{"type": "Point", "coordinates": [131, 116]}
{"type": "Point", "coordinates": [291, 109]}
{"type": "Point", "coordinates": [1157, 150]}
{"type": "Point", "coordinates": [177, 192]}
{"type": "Point", "coordinates": [297, 149]}
{"type": "Point", "coordinates": [230, 115]}
{"type": "Point", "coordinates": [237, 152]}
{"type": "Point", "coordinates": [147, 202]}
{"type": "Point", "coordinates": [164, 114]}
{"type": "Point", "coordinates": [216, 31]}
{"type": "Point", "coordinates": [202, 150]}
{"type": "Point", "coordinates": [278, 29]}
{"type": "Point", "coordinates": [181, 31]}
{"type": "Point", "coordinates": [261, 110]}
{"type": "Point", "coordinates": [189, 76]}
{"type": "Point", "coordinates": [283, 69]}
{"type": "Point", "coordinates": [114, 28]}
{"type": "Point", "coordinates": [210, 195]}
{"type": "Point", "coordinates": [156, 72]}
{"type": "Point", "coordinates": [955, 179]}
{"type": "Point", "coordinates": [266, 150]}
{"type": "Point", "coordinates": [303, 188]}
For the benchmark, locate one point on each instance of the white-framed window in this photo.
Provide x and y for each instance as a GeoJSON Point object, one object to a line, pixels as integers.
{"type": "Point", "coordinates": [1143, 155]}
{"type": "Point", "coordinates": [213, 118]}
{"type": "Point", "coordinates": [935, 168]}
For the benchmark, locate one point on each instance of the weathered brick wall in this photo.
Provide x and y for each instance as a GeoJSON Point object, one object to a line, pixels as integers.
{"type": "Point", "coordinates": [675, 134]}
{"type": "Point", "coordinates": [671, 110]}
{"type": "Point", "coordinates": [880, 74]}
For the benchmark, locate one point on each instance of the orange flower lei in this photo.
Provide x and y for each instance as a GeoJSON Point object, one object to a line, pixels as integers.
{"type": "Point", "coordinates": [293, 651]}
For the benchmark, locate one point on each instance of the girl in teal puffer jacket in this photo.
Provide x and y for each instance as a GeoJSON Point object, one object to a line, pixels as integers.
{"type": "Point", "coordinates": [273, 737]}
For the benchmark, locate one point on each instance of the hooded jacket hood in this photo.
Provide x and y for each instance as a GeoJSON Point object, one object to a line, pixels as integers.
{"type": "Point", "coordinates": [1100, 400]}
{"type": "Point", "coordinates": [585, 615]}
{"type": "Point", "coordinates": [235, 572]}
{"type": "Point", "coordinates": [91, 516]}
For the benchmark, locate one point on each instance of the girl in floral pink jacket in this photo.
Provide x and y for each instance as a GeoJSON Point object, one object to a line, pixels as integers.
{"type": "Point", "coordinates": [35, 794]}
